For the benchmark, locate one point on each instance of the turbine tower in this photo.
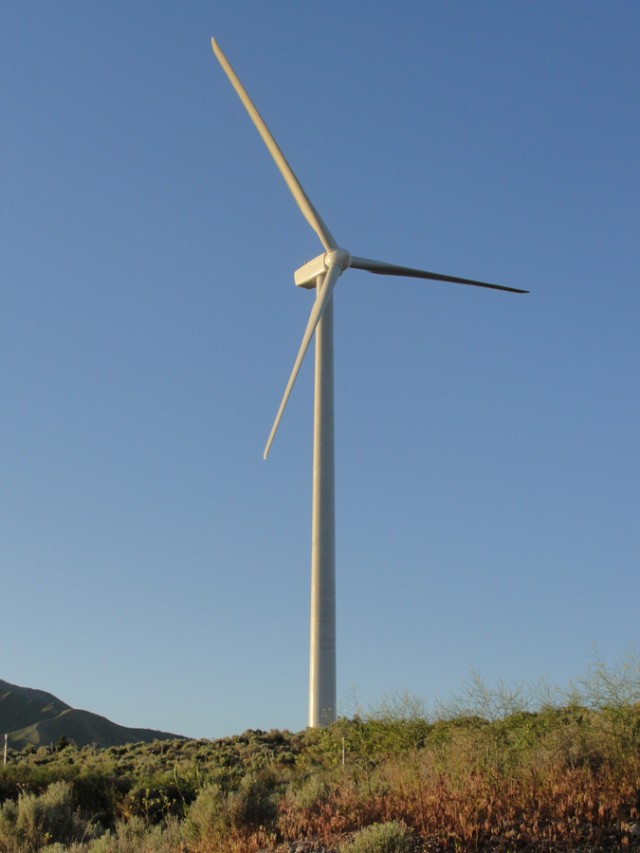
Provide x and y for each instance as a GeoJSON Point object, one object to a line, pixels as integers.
{"type": "Point", "coordinates": [322, 273]}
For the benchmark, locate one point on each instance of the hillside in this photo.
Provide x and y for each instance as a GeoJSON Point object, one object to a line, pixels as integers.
{"type": "Point", "coordinates": [562, 779]}
{"type": "Point", "coordinates": [35, 717]}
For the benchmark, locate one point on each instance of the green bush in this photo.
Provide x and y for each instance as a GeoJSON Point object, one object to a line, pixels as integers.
{"type": "Point", "coordinates": [309, 794]}
{"type": "Point", "coordinates": [36, 820]}
{"type": "Point", "coordinates": [135, 836]}
{"type": "Point", "coordinates": [205, 815]}
{"type": "Point", "coordinates": [390, 837]}
{"type": "Point", "coordinates": [216, 812]}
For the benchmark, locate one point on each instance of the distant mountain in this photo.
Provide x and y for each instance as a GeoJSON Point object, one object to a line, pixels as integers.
{"type": "Point", "coordinates": [34, 717]}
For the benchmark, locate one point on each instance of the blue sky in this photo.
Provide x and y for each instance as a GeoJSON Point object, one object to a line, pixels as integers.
{"type": "Point", "coordinates": [154, 568]}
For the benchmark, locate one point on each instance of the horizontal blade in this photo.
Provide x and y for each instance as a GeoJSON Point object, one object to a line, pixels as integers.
{"type": "Point", "coordinates": [381, 268]}
{"type": "Point", "coordinates": [308, 210]}
{"type": "Point", "coordinates": [322, 300]}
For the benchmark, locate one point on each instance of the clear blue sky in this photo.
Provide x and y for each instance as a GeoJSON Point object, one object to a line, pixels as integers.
{"type": "Point", "coordinates": [154, 568]}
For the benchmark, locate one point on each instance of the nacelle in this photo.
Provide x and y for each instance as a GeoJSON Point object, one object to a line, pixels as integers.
{"type": "Point", "coordinates": [306, 275]}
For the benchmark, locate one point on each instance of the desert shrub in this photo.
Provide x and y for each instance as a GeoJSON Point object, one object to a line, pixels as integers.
{"type": "Point", "coordinates": [36, 820]}
{"type": "Point", "coordinates": [253, 805]}
{"type": "Point", "coordinates": [613, 692]}
{"type": "Point", "coordinates": [135, 836]}
{"type": "Point", "coordinates": [304, 806]}
{"type": "Point", "coordinates": [204, 816]}
{"type": "Point", "coordinates": [153, 802]}
{"type": "Point", "coordinates": [310, 793]}
{"type": "Point", "coordinates": [216, 812]}
{"type": "Point", "coordinates": [99, 795]}
{"type": "Point", "coordinates": [390, 837]}
{"type": "Point", "coordinates": [344, 805]}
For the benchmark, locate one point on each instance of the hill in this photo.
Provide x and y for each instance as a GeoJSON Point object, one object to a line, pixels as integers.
{"type": "Point", "coordinates": [35, 717]}
{"type": "Point", "coordinates": [562, 779]}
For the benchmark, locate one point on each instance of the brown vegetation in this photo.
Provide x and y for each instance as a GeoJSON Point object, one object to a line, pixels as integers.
{"type": "Point", "coordinates": [491, 774]}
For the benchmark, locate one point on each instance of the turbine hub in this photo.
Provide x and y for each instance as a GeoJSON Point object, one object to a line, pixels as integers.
{"type": "Point", "coordinates": [338, 256]}
{"type": "Point", "coordinates": [308, 273]}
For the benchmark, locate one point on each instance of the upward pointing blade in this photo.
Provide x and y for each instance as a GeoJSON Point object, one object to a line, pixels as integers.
{"type": "Point", "coordinates": [332, 276]}
{"type": "Point", "coordinates": [382, 268]}
{"type": "Point", "coordinates": [308, 210]}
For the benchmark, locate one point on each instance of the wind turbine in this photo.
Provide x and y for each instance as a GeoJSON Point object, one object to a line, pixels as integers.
{"type": "Point", "coordinates": [322, 273]}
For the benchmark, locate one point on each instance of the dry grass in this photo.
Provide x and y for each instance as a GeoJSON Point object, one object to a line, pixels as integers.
{"type": "Point", "coordinates": [492, 774]}
{"type": "Point", "coordinates": [561, 810]}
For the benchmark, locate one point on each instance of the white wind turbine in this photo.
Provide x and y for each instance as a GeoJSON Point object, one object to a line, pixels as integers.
{"type": "Point", "coordinates": [322, 273]}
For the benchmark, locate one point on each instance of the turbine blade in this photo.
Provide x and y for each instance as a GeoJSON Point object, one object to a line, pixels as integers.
{"type": "Point", "coordinates": [307, 209]}
{"type": "Point", "coordinates": [380, 268]}
{"type": "Point", "coordinates": [321, 302]}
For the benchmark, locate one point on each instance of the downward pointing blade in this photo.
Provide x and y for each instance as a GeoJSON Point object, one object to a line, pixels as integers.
{"type": "Point", "coordinates": [332, 276]}
{"type": "Point", "coordinates": [380, 268]}
{"type": "Point", "coordinates": [308, 210]}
